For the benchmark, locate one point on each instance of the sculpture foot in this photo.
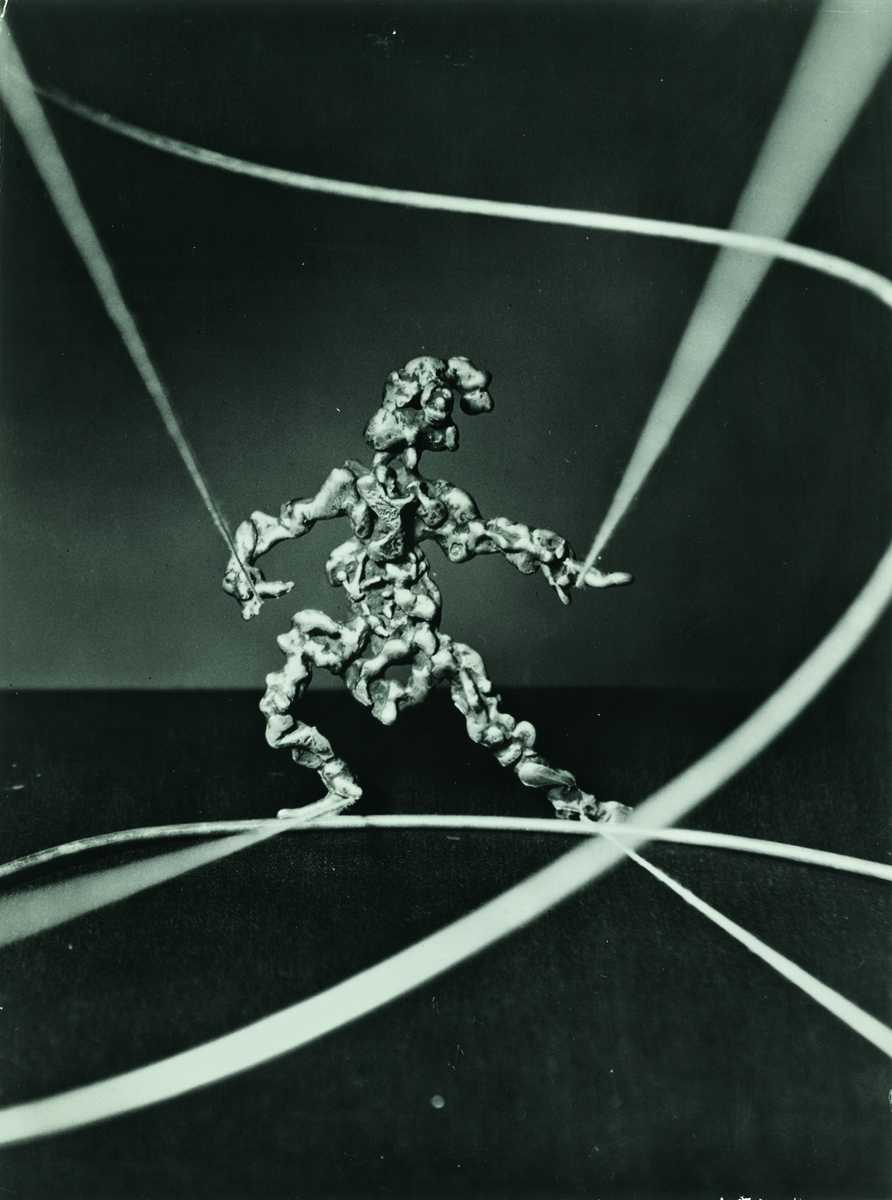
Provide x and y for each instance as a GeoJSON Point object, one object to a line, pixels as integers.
{"type": "Point", "coordinates": [339, 780]}
{"type": "Point", "coordinates": [611, 812]}
{"type": "Point", "coordinates": [583, 807]}
{"type": "Point", "coordinates": [342, 788]}
{"type": "Point", "coordinates": [330, 806]}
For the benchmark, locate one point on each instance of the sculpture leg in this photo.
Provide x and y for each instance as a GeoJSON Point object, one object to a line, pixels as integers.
{"type": "Point", "coordinates": [314, 640]}
{"type": "Point", "coordinates": [512, 741]}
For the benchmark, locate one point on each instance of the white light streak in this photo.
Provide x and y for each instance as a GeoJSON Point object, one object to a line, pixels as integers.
{"type": "Point", "coordinates": [515, 908]}
{"type": "Point", "coordinates": [24, 108]}
{"type": "Point", "coordinates": [428, 821]}
{"type": "Point", "coordinates": [363, 993]}
{"type": "Point", "coordinates": [25, 914]}
{"type": "Point", "coordinates": [818, 260]}
{"type": "Point", "coordinates": [840, 63]}
{"type": "Point", "coordinates": [850, 1014]}
{"type": "Point", "coordinates": [346, 1002]}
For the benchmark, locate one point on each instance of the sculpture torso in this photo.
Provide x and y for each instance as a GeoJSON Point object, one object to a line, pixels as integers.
{"type": "Point", "coordinates": [382, 568]}
{"type": "Point", "coordinates": [385, 574]}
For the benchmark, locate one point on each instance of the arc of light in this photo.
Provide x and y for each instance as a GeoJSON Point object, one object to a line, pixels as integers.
{"type": "Point", "coordinates": [844, 54]}
{"type": "Point", "coordinates": [363, 993]}
{"type": "Point", "coordinates": [856, 1018]}
{"type": "Point", "coordinates": [576, 218]}
{"type": "Point", "coordinates": [25, 914]}
{"type": "Point", "coordinates": [18, 95]}
{"type": "Point", "coordinates": [370, 989]}
{"type": "Point", "coordinates": [685, 837]}
{"type": "Point", "coordinates": [515, 908]}
{"type": "Point", "coordinates": [771, 203]}
{"type": "Point", "coordinates": [28, 913]}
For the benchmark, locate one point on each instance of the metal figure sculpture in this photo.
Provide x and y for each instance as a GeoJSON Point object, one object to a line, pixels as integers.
{"type": "Point", "coordinates": [392, 509]}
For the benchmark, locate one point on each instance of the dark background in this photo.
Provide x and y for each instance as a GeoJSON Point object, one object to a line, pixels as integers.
{"type": "Point", "coordinates": [620, 1047]}
{"type": "Point", "coordinates": [274, 317]}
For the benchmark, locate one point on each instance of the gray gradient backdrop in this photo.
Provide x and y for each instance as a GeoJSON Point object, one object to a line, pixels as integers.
{"type": "Point", "coordinates": [274, 317]}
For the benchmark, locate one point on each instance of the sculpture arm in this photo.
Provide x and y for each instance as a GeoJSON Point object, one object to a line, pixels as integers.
{"type": "Point", "coordinates": [243, 580]}
{"type": "Point", "coordinates": [464, 534]}
{"type": "Point", "coordinates": [542, 550]}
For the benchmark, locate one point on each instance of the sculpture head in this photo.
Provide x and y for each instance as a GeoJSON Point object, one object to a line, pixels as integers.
{"type": "Point", "coordinates": [416, 412]}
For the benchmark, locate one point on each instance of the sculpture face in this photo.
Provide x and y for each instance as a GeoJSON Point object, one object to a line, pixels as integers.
{"type": "Point", "coordinates": [417, 406]}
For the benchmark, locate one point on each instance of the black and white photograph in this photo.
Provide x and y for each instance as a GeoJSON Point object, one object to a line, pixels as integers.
{"type": "Point", "coordinates": [446, 473]}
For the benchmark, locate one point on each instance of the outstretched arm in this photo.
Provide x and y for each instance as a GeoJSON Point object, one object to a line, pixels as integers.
{"type": "Point", "coordinates": [464, 534]}
{"type": "Point", "coordinates": [337, 497]}
{"type": "Point", "coordinates": [242, 579]}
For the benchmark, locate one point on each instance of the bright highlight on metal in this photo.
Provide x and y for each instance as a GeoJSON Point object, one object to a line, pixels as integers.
{"type": "Point", "coordinates": [321, 1014]}
{"type": "Point", "coordinates": [515, 908]}
{"type": "Point", "coordinates": [847, 48]}
{"type": "Point", "coordinates": [23, 106]}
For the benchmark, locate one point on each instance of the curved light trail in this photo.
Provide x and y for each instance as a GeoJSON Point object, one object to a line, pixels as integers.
{"type": "Point", "coordinates": [363, 993]}
{"type": "Point", "coordinates": [843, 56]}
{"type": "Point", "coordinates": [17, 93]}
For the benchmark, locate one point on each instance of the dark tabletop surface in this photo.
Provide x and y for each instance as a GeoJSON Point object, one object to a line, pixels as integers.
{"type": "Point", "coordinates": [621, 1046]}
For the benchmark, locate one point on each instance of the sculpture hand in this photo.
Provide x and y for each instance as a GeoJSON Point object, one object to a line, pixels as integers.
{"type": "Point", "coordinates": [249, 587]}
{"type": "Point", "coordinates": [593, 577]}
